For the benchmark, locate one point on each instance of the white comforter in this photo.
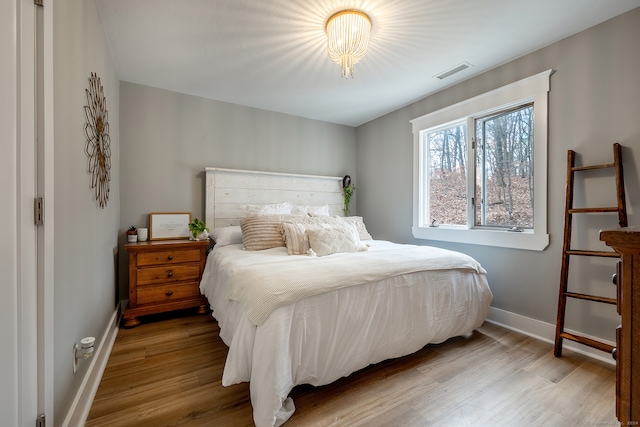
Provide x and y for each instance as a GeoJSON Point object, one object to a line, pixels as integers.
{"type": "Point", "coordinates": [289, 281]}
{"type": "Point", "coordinates": [318, 336]}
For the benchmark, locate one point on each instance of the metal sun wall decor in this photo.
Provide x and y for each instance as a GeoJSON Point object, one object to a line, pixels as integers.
{"type": "Point", "coordinates": [98, 147]}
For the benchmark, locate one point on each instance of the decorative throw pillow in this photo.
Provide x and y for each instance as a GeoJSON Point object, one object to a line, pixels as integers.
{"type": "Point", "coordinates": [273, 209]}
{"type": "Point", "coordinates": [295, 237]}
{"type": "Point", "coordinates": [224, 236]}
{"type": "Point", "coordinates": [334, 239]}
{"type": "Point", "coordinates": [294, 231]}
{"type": "Point", "coordinates": [359, 223]}
{"type": "Point", "coordinates": [262, 231]}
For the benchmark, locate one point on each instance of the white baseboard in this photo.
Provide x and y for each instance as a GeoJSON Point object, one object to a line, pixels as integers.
{"type": "Point", "coordinates": [546, 332]}
{"type": "Point", "coordinates": [79, 411]}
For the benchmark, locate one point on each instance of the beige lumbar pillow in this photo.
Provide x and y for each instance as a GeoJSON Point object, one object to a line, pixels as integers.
{"type": "Point", "coordinates": [261, 232]}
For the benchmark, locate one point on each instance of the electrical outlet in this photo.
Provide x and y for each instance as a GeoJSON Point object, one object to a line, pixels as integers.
{"type": "Point", "coordinates": [82, 351]}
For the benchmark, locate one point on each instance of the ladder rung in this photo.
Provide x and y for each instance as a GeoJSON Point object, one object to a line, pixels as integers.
{"type": "Point", "coordinates": [593, 210]}
{"type": "Point", "coordinates": [609, 254]}
{"type": "Point", "coordinates": [591, 167]}
{"type": "Point", "coordinates": [588, 341]}
{"type": "Point", "coordinates": [591, 297]}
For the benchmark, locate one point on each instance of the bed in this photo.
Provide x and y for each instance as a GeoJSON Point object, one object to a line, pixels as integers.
{"type": "Point", "coordinates": [311, 312]}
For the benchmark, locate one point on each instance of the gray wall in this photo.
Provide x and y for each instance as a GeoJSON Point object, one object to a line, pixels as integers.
{"type": "Point", "coordinates": [85, 235]}
{"type": "Point", "coordinates": [169, 138]}
{"type": "Point", "coordinates": [594, 102]}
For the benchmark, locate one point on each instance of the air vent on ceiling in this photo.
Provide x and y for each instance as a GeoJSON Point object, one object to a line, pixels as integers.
{"type": "Point", "coordinates": [452, 71]}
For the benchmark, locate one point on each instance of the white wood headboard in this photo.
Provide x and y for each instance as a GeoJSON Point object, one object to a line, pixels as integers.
{"type": "Point", "coordinates": [228, 189]}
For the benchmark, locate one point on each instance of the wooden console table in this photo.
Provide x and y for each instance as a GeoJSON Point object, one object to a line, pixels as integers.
{"type": "Point", "coordinates": [626, 241]}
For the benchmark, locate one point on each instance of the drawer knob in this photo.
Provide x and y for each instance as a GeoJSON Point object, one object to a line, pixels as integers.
{"type": "Point", "coordinates": [168, 293]}
{"type": "Point", "coordinates": [170, 257]}
{"type": "Point", "coordinates": [169, 273]}
{"type": "Point", "coordinates": [614, 354]}
{"type": "Point", "coordinates": [614, 279]}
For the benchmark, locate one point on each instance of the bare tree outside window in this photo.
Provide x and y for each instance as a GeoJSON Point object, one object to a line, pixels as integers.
{"type": "Point", "coordinates": [504, 171]}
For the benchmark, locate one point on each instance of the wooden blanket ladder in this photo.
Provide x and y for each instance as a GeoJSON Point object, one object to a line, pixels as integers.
{"type": "Point", "coordinates": [567, 251]}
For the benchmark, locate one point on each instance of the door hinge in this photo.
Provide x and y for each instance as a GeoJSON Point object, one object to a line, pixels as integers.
{"type": "Point", "coordinates": [40, 422]}
{"type": "Point", "coordinates": [38, 2]}
{"type": "Point", "coordinates": [38, 210]}
{"type": "Point", "coordinates": [473, 143]}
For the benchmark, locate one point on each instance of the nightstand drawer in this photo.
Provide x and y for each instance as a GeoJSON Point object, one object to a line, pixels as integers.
{"type": "Point", "coordinates": [171, 273]}
{"type": "Point", "coordinates": [167, 293]}
{"type": "Point", "coordinates": [168, 257]}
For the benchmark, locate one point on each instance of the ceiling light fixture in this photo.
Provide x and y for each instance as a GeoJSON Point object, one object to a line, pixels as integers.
{"type": "Point", "coordinates": [347, 38]}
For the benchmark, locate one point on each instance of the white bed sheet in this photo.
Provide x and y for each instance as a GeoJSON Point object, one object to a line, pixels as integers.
{"type": "Point", "coordinates": [322, 338]}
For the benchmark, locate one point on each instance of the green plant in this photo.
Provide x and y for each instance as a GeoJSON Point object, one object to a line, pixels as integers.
{"type": "Point", "coordinates": [197, 227]}
{"type": "Point", "coordinates": [132, 230]}
{"type": "Point", "coordinates": [348, 191]}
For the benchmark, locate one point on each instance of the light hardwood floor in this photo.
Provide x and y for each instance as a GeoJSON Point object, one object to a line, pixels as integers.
{"type": "Point", "coordinates": [167, 372]}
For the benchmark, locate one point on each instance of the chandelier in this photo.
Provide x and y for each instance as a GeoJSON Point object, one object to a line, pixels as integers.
{"type": "Point", "coordinates": [347, 38]}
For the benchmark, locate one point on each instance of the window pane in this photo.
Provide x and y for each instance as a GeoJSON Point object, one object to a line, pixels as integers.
{"type": "Point", "coordinates": [447, 158]}
{"type": "Point", "coordinates": [504, 169]}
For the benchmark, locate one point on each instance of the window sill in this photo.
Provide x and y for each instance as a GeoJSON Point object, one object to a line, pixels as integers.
{"type": "Point", "coordinates": [527, 239]}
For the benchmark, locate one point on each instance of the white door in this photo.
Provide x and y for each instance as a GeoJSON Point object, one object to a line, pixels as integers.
{"type": "Point", "coordinates": [34, 178]}
{"type": "Point", "coordinates": [44, 192]}
{"type": "Point", "coordinates": [26, 377]}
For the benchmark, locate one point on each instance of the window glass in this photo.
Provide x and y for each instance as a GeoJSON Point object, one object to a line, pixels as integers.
{"type": "Point", "coordinates": [504, 169]}
{"type": "Point", "coordinates": [447, 175]}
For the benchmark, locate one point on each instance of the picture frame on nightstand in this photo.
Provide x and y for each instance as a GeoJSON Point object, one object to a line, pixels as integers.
{"type": "Point", "coordinates": [169, 225]}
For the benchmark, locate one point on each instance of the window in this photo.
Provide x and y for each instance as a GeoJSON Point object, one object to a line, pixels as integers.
{"type": "Point", "coordinates": [480, 168]}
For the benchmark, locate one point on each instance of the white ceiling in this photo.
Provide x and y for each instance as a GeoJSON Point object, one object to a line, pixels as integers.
{"type": "Point", "coordinates": [271, 54]}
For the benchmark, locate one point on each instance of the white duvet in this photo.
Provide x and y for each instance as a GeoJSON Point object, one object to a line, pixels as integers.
{"type": "Point", "coordinates": [324, 330]}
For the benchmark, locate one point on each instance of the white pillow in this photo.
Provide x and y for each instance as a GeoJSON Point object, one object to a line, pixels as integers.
{"type": "Point", "coordinates": [311, 210]}
{"type": "Point", "coordinates": [359, 223]}
{"type": "Point", "coordinates": [283, 208]}
{"type": "Point", "coordinates": [224, 236]}
{"type": "Point", "coordinates": [334, 239]}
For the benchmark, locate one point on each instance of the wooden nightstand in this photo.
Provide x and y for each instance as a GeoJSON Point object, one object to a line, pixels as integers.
{"type": "Point", "coordinates": [164, 275]}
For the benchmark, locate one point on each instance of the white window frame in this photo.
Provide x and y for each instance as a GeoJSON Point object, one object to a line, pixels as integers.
{"type": "Point", "coordinates": [532, 89]}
